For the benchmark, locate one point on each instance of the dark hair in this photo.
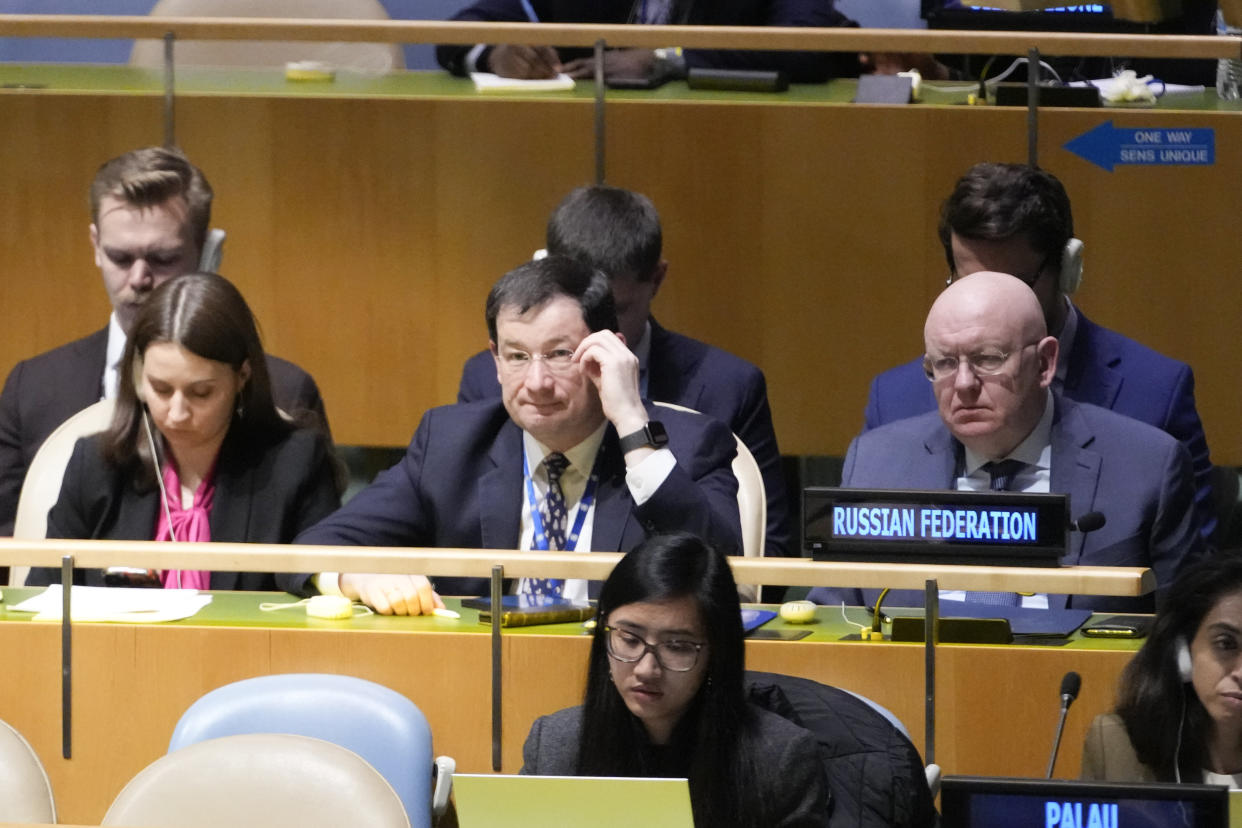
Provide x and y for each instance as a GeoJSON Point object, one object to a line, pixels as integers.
{"type": "Point", "coordinates": [995, 202]}
{"type": "Point", "coordinates": [205, 314]}
{"type": "Point", "coordinates": [150, 176]}
{"type": "Point", "coordinates": [542, 280]}
{"type": "Point", "coordinates": [706, 743]}
{"type": "Point", "coordinates": [611, 229]}
{"type": "Point", "coordinates": [1153, 702]}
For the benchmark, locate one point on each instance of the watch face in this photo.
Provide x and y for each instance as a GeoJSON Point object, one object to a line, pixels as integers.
{"type": "Point", "coordinates": [657, 436]}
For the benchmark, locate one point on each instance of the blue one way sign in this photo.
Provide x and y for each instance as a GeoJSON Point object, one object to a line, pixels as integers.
{"type": "Point", "coordinates": [1106, 146]}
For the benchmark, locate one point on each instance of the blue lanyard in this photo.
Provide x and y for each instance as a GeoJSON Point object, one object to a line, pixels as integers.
{"type": "Point", "coordinates": [540, 539]}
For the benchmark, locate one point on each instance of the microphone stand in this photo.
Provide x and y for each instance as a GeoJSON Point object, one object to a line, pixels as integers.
{"type": "Point", "coordinates": [1056, 743]}
{"type": "Point", "coordinates": [1071, 685]}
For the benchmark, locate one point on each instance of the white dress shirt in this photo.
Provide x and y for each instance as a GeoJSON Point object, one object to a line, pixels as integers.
{"type": "Point", "coordinates": [112, 359]}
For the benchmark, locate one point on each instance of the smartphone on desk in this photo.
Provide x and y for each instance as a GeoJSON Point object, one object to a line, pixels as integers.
{"type": "Point", "coordinates": [1119, 626]}
{"type": "Point", "coordinates": [646, 82]}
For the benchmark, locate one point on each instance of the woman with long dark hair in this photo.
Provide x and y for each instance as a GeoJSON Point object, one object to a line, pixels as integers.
{"type": "Point", "coordinates": [665, 697]}
{"type": "Point", "coordinates": [1179, 710]}
{"type": "Point", "coordinates": [196, 450]}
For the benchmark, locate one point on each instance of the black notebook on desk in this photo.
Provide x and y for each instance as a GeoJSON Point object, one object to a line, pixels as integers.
{"type": "Point", "coordinates": [1022, 620]}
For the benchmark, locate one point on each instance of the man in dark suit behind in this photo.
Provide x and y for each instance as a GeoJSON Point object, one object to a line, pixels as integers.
{"type": "Point", "coordinates": [999, 425]}
{"type": "Point", "coordinates": [1016, 219]}
{"type": "Point", "coordinates": [482, 475]}
{"type": "Point", "coordinates": [618, 232]}
{"type": "Point", "coordinates": [150, 209]}
{"type": "Point", "coordinates": [517, 61]}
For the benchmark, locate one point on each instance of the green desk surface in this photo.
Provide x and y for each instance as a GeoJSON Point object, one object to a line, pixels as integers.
{"type": "Point", "coordinates": [241, 609]}
{"type": "Point", "coordinates": [80, 79]}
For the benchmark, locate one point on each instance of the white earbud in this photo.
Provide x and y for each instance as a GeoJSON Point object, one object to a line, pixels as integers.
{"type": "Point", "coordinates": [1185, 670]}
{"type": "Point", "coordinates": [1071, 266]}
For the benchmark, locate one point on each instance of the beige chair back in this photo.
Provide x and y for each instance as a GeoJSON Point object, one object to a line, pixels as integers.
{"type": "Point", "coordinates": [275, 780]}
{"type": "Point", "coordinates": [25, 792]}
{"type": "Point", "coordinates": [752, 504]}
{"type": "Point", "coordinates": [372, 58]}
{"type": "Point", "coordinates": [41, 488]}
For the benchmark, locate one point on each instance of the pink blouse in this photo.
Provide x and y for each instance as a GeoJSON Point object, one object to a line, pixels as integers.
{"type": "Point", "coordinates": [192, 524]}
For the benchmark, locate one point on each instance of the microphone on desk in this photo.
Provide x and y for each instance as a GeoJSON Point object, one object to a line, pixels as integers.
{"type": "Point", "coordinates": [1070, 685]}
{"type": "Point", "coordinates": [1088, 522]}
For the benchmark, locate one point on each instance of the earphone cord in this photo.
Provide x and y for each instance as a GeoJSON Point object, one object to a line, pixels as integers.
{"type": "Point", "coordinates": [159, 481]}
{"type": "Point", "coordinates": [1177, 749]}
{"type": "Point", "coordinates": [1177, 754]}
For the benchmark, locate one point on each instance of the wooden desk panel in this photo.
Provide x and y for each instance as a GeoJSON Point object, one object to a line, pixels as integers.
{"type": "Point", "coordinates": [132, 683]}
{"type": "Point", "coordinates": [801, 233]}
{"type": "Point", "coordinates": [996, 708]}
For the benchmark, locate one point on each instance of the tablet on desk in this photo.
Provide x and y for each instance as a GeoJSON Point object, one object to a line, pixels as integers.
{"type": "Point", "coordinates": [489, 800]}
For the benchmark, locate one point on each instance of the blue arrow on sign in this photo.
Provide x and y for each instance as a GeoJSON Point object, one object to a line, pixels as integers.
{"type": "Point", "coordinates": [1107, 147]}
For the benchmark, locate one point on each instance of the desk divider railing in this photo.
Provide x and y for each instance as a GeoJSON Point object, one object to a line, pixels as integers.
{"type": "Point", "coordinates": [493, 564]}
{"type": "Point", "coordinates": [500, 564]}
{"type": "Point", "coordinates": [599, 37]}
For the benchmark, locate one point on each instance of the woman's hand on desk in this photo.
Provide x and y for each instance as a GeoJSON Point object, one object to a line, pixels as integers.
{"type": "Point", "coordinates": [392, 594]}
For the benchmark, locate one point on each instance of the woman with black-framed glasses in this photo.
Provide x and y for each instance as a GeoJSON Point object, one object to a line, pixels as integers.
{"type": "Point", "coordinates": [665, 698]}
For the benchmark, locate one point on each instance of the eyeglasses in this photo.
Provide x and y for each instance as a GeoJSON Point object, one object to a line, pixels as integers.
{"type": "Point", "coordinates": [678, 656]}
{"type": "Point", "coordinates": [984, 363]}
{"type": "Point", "coordinates": [557, 361]}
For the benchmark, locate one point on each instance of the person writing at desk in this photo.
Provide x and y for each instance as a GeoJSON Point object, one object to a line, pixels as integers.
{"type": "Point", "coordinates": [197, 450]}
{"type": "Point", "coordinates": [1179, 710]}
{"type": "Point", "coordinates": [518, 61]}
{"type": "Point", "coordinates": [665, 697]}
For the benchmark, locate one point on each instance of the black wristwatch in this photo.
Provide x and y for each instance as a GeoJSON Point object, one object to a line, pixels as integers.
{"type": "Point", "coordinates": [652, 434]}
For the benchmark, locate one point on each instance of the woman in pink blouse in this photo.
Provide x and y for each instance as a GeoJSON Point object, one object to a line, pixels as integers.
{"type": "Point", "coordinates": [197, 450]}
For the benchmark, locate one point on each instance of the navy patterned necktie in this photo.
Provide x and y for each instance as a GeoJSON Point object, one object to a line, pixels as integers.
{"type": "Point", "coordinates": [555, 515]}
{"type": "Point", "coordinates": [1002, 475]}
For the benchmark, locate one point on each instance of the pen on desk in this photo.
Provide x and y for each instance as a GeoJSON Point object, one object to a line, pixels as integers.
{"type": "Point", "coordinates": [530, 11]}
{"type": "Point", "coordinates": [440, 612]}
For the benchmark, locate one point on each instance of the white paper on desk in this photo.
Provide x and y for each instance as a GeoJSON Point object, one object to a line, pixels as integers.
{"type": "Point", "coordinates": [1160, 88]}
{"type": "Point", "coordinates": [487, 82]}
{"type": "Point", "coordinates": [132, 605]}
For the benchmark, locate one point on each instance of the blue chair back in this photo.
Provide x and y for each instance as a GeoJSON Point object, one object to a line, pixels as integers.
{"type": "Point", "coordinates": [380, 725]}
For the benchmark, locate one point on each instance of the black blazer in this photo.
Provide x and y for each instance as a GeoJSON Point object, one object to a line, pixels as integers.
{"type": "Point", "coordinates": [265, 493]}
{"type": "Point", "coordinates": [44, 391]}
{"type": "Point", "coordinates": [786, 767]}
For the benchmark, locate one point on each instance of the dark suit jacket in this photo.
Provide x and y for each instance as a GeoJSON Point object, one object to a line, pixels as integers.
{"type": "Point", "coordinates": [460, 485]}
{"type": "Point", "coordinates": [801, 67]}
{"type": "Point", "coordinates": [696, 375]}
{"type": "Point", "coordinates": [786, 762]}
{"type": "Point", "coordinates": [44, 391]}
{"type": "Point", "coordinates": [1135, 475]}
{"type": "Point", "coordinates": [1105, 369]}
{"type": "Point", "coordinates": [266, 492]}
